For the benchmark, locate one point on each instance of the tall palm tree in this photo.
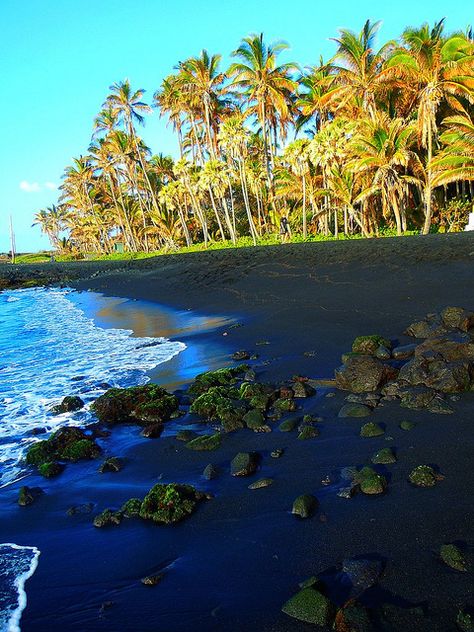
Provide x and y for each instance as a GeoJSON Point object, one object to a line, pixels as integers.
{"type": "Point", "coordinates": [296, 154]}
{"type": "Point", "coordinates": [456, 161]}
{"type": "Point", "coordinates": [51, 221]}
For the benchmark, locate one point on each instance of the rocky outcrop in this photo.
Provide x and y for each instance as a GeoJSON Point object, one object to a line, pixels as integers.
{"type": "Point", "coordinates": [148, 404]}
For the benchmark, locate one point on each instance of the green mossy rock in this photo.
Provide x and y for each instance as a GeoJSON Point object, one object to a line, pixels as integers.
{"type": "Point", "coordinates": [262, 482]}
{"type": "Point", "coordinates": [108, 518]}
{"type": "Point", "coordinates": [310, 606]}
{"type": "Point", "coordinates": [302, 389]}
{"type": "Point", "coordinates": [254, 419]}
{"type": "Point", "coordinates": [423, 476]}
{"type": "Point", "coordinates": [354, 410]}
{"type": "Point", "coordinates": [308, 432]}
{"type": "Point", "coordinates": [210, 472]}
{"type": "Point", "coordinates": [465, 621]}
{"type": "Point", "coordinates": [285, 405]}
{"type": "Point", "coordinates": [131, 509]}
{"type": "Point", "coordinates": [67, 444]}
{"type": "Point", "coordinates": [244, 464]}
{"type": "Point", "coordinates": [369, 344]}
{"type": "Point", "coordinates": [217, 404]}
{"type": "Point", "coordinates": [453, 557]}
{"type": "Point", "coordinates": [26, 496]}
{"type": "Point", "coordinates": [385, 456]}
{"type": "Point", "coordinates": [70, 404]}
{"type": "Point", "coordinates": [168, 504]}
{"type": "Point", "coordinates": [371, 429]}
{"type": "Point", "coordinates": [137, 404]}
{"type": "Point", "coordinates": [305, 505]}
{"type": "Point", "coordinates": [112, 464]}
{"type": "Point", "coordinates": [370, 482]}
{"type": "Point", "coordinates": [407, 425]}
{"type": "Point", "coordinates": [50, 469]}
{"type": "Point", "coordinates": [186, 435]}
{"type": "Point", "coordinates": [288, 425]}
{"type": "Point", "coordinates": [205, 442]}
{"type": "Point", "coordinates": [349, 355]}
{"type": "Point", "coordinates": [221, 377]}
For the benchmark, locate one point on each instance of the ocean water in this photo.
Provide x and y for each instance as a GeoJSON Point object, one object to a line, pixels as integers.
{"type": "Point", "coordinates": [50, 348]}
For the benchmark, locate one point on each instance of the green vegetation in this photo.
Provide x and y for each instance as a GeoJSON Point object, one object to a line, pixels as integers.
{"type": "Point", "coordinates": [386, 145]}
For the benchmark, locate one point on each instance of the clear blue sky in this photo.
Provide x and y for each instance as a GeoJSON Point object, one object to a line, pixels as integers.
{"type": "Point", "coordinates": [58, 58]}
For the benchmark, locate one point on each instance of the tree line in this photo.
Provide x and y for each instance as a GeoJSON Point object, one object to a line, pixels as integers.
{"type": "Point", "coordinates": [373, 139]}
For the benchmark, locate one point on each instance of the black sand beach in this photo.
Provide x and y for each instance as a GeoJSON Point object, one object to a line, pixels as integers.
{"type": "Point", "coordinates": [234, 563]}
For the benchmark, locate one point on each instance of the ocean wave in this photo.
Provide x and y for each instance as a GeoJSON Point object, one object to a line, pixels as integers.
{"type": "Point", "coordinates": [17, 564]}
{"type": "Point", "coordinates": [48, 349]}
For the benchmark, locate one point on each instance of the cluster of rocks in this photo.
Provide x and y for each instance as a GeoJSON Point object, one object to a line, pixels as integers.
{"type": "Point", "coordinates": [420, 374]}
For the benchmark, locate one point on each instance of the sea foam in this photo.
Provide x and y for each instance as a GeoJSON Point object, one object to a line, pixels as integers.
{"type": "Point", "coordinates": [49, 349]}
{"type": "Point", "coordinates": [17, 564]}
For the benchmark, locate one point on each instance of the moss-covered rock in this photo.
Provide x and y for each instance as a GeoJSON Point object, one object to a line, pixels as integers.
{"type": "Point", "coordinates": [131, 508]}
{"type": "Point", "coordinates": [407, 425]}
{"type": "Point", "coordinates": [311, 606]}
{"type": "Point", "coordinates": [465, 620]}
{"type": "Point", "coordinates": [371, 429]}
{"type": "Point", "coordinates": [218, 404]}
{"type": "Point", "coordinates": [308, 432]}
{"type": "Point", "coordinates": [153, 431]}
{"type": "Point", "coordinates": [363, 374]}
{"type": "Point", "coordinates": [108, 518]}
{"type": "Point", "coordinates": [70, 404]}
{"type": "Point", "coordinates": [262, 482]}
{"type": "Point", "coordinates": [221, 377]}
{"type": "Point", "coordinates": [423, 476]}
{"type": "Point", "coordinates": [137, 404]}
{"type": "Point", "coordinates": [205, 442]}
{"type": "Point", "coordinates": [50, 469]}
{"type": "Point", "coordinates": [305, 505]}
{"type": "Point", "coordinates": [67, 444]}
{"type": "Point", "coordinates": [370, 482]}
{"type": "Point", "coordinates": [355, 410]}
{"type": "Point", "coordinates": [302, 389]}
{"type": "Point", "coordinates": [453, 557]}
{"type": "Point", "coordinates": [26, 496]}
{"type": "Point", "coordinates": [254, 419]}
{"type": "Point", "coordinates": [244, 464]}
{"type": "Point", "coordinates": [385, 456]}
{"type": "Point", "coordinates": [186, 435]}
{"type": "Point", "coordinates": [285, 405]}
{"type": "Point", "coordinates": [210, 472]}
{"type": "Point", "coordinates": [112, 464]}
{"type": "Point", "coordinates": [369, 344]}
{"type": "Point", "coordinates": [167, 504]}
{"type": "Point", "coordinates": [288, 425]}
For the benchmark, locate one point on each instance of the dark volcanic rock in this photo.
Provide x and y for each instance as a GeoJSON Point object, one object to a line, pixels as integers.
{"type": "Point", "coordinates": [305, 505]}
{"type": "Point", "coordinates": [205, 442]}
{"type": "Point", "coordinates": [368, 345]}
{"type": "Point", "coordinates": [310, 606]}
{"type": "Point", "coordinates": [112, 464]}
{"type": "Point", "coordinates": [66, 444]}
{"type": "Point", "coordinates": [137, 404]}
{"type": "Point", "coordinates": [363, 374]}
{"type": "Point", "coordinates": [354, 410]}
{"type": "Point", "coordinates": [210, 472]}
{"type": "Point", "coordinates": [403, 352]}
{"type": "Point", "coordinates": [27, 496]}
{"type": "Point", "coordinates": [152, 431]}
{"type": "Point", "coordinates": [244, 464]}
{"type": "Point", "coordinates": [70, 404]}
{"type": "Point", "coordinates": [167, 504]}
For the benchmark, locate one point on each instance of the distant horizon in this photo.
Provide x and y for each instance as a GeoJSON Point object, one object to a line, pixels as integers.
{"type": "Point", "coordinates": [58, 86]}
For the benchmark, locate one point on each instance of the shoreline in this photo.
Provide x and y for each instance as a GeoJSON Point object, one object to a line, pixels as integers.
{"type": "Point", "coordinates": [241, 556]}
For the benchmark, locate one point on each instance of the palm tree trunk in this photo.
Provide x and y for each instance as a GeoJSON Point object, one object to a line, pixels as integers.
{"type": "Point", "coordinates": [216, 213]}
{"type": "Point", "coordinates": [428, 189]}
{"type": "Point", "coordinates": [304, 207]}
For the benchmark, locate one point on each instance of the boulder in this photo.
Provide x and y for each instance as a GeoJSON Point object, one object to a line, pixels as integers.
{"type": "Point", "coordinates": [50, 469]}
{"type": "Point", "coordinates": [385, 456]}
{"type": "Point", "coordinates": [353, 618]}
{"type": "Point", "coordinates": [382, 353]}
{"type": "Point", "coordinates": [152, 431]}
{"type": "Point", "coordinates": [311, 606]}
{"type": "Point", "coordinates": [370, 482]}
{"type": "Point", "coordinates": [205, 442]}
{"type": "Point", "coordinates": [277, 454]}
{"type": "Point", "coordinates": [131, 508]}
{"type": "Point", "coordinates": [423, 476]}
{"type": "Point", "coordinates": [434, 372]}
{"type": "Point", "coordinates": [220, 377]}
{"type": "Point", "coordinates": [371, 429]}
{"type": "Point", "coordinates": [285, 405]}
{"type": "Point", "coordinates": [430, 326]}
{"type": "Point", "coordinates": [303, 389]}
{"type": "Point", "coordinates": [457, 318]}
{"type": "Point", "coordinates": [66, 444]}
{"type": "Point", "coordinates": [407, 425]}
{"type": "Point", "coordinates": [186, 435]}
{"type": "Point", "coordinates": [108, 518]}
{"type": "Point", "coordinates": [138, 404]}
{"type": "Point", "coordinates": [219, 403]}
{"type": "Point", "coordinates": [305, 505]}
{"type": "Point", "coordinates": [369, 345]}
{"type": "Point", "coordinates": [288, 425]}
{"type": "Point", "coordinates": [238, 356]}
{"type": "Point", "coordinates": [152, 580]}
{"type": "Point", "coordinates": [254, 419]}
{"type": "Point", "coordinates": [308, 432]}
{"type": "Point", "coordinates": [244, 464]}
{"type": "Point", "coordinates": [403, 352]}
{"type": "Point", "coordinates": [262, 482]}
{"type": "Point", "coordinates": [70, 404]}
{"type": "Point", "coordinates": [168, 504]}
{"type": "Point", "coordinates": [363, 374]}
{"type": "Point", "coordinates": [452, 556]}
{"type": "Point", "coordinates": [355, 410]}
{"type": "Point", "coordinates": [26, 496]}
{"type": "Point", "coordinates": [112, 464]}
{"type": "Point", "coordinates": [465, 620]}
{"type": "Point", "coordinates": [361, 574]}
{"type": "Point", "coordinates": [210, 472]}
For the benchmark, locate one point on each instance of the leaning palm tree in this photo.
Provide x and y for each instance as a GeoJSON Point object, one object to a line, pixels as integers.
{"type": "Point", "coordinates": [440, 71]}
{"type": "Point", "coordinates": [52, 220]}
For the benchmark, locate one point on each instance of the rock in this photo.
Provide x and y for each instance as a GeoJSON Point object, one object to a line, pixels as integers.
{"type": "Point", "coordinates": [66, 444]}
{"type": "Point", "coordinates": [218, 404]}
{"type": "Point", "coordinates": [423, 476]}
{"type": "Point", "coordinates": [403, 352]}
{"type": "Point", "coordinates": [453, 557]}
{"type": "Point", "coordinates": [310, 606]}
{"type": "Point", "coordinates": [168, 504]}
{"type": "Point", "coordinates": [465, 620]}
{"type": "Point", "coordinates": [371, 429]}
{"type": "Point", "coordinates": [152, 580]}
{"type": "Point", "coordinates": [80, 510]}
{"type": "Point", "coordinates": [250, 375]}
{"type": "Point", "coordinates": [70, 404]}
{"type": "Point", "coordinates": [353, 618]}
{"type": "Point", "coordinates": [347, 492]}
{"type": "Point", "coordinates": [254, 419]}
{"type": "Point", "coordinates": [244, 464]}
{"type": "Point", "coordinates": [457, 318]}
{"type": "Point", "coordinates": [26, 496]}
{"type": "Point", "coordinates": [210, 472]}
{"type": "Point", "coordinates": [435, 372]}
{"type": "Point", "coordinates": [370, 482]}
{"type": "Point", "coordinates": [311, 582]}
{"type": "Point", "coordinates": [355, 410]}
{"type": "Point", "coordinates": [276, 454]}
{"type": "Point", "coordinates": [431, 326]}
{"type": "Point", "coordinates": [205, 442]}
{"type": "Point", "coordinates": [368, 345]}
{"type": "Point", "coordinates": [186, 435]}
{"type": "Point", "coordinates": [238, 356]}
{"type": "Point", "coordinates": [50, 469]}
{"type": "Point", "coordinates": [112, 464]}
{"type": "Point", "coordinates": [308, 432]}
{"type": "Point", "coordinates": [288, 425]}
{"type": "Point", "coordinates": [302, 389]}
{"type": "Point", "coordinates": [417, 398]}
{"type": "Point", "coordinates": [262, 482]}
{"type": "Point", "coordinates": [131, 508]}
{"type": "Point", "coordinates": [361, 574]}
{"type": "Point", "coordinates": [385, 456]}
{"type": "Point", "coordinates": [407, 425]}
{"type": "Point", "coordinates": [221, 377]}
{"type": "Point", "coordinates": [285, 405]}
{"type": "Point", "coordinates": [152, 431]}
{"type": "Point", "coordinates": [138, 404]}
{"type": "Point", "coordinates": [108, 518]}
{"type": "Point", "coordinates": [382, 353]}
{"type": "Point", "coordinates": [305, 505]}
{"type": "Point", "coordinates": [440, 407]}
{"type": "Point", "coordinates": [363, 374]}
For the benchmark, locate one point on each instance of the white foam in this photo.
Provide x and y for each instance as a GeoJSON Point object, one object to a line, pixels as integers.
{"type": "Point", "coordinates": [45, 342]}
{"type": "Point", "coordinates": [10, 615]}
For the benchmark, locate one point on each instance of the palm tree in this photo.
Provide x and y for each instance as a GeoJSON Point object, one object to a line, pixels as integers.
{"type": "Point", "coordinates": [456, 161]}
{"type": "Point", "coordinates": [52, 222]}
{"type": "Point", "coordinates": [441, 72]}
{"type": "Point", "coordinates": [296, 154]}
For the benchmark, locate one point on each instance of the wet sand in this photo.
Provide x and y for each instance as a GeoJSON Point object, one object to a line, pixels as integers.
{"type": "Point", "coordinates": [241, 555]}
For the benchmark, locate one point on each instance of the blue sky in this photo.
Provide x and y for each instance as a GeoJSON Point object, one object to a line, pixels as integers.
{"type": "Point", "coordinates": [58, 58]}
